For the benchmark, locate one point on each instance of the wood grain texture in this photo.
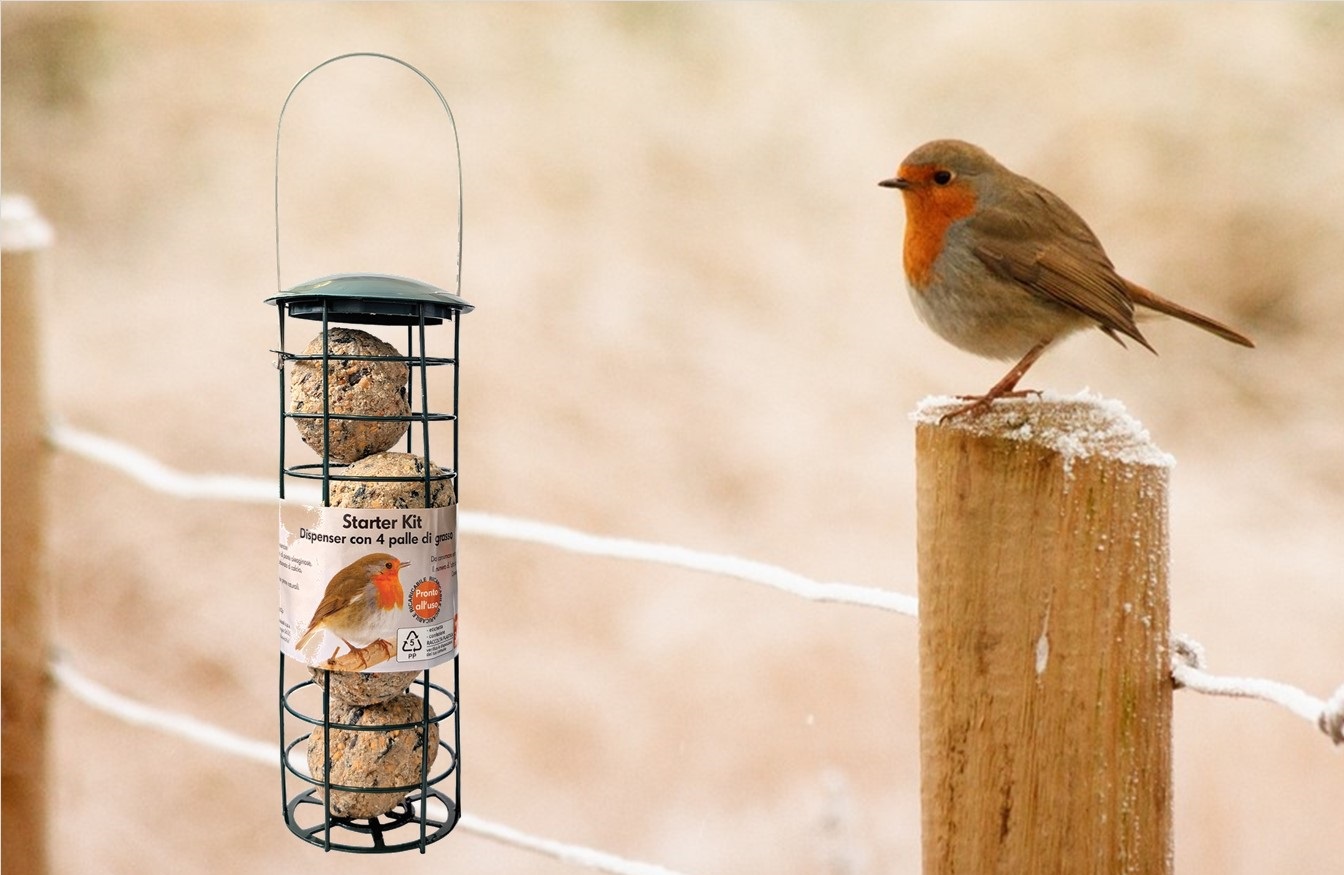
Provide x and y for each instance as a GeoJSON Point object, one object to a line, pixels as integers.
{"type": "Point", "coordinates": [27, 602]}
{"type": "Point", "coordinates": [1045, 718]}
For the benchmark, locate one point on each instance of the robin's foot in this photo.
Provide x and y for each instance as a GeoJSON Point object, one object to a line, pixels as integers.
{"type": "Point", "coordinates": [1005, 388]}
{"type": "Point", "coordinates": [980, 403]}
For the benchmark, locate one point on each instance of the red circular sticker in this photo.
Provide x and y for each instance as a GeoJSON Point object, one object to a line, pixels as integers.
{"type": "Point", "coordinates": [425, 599]}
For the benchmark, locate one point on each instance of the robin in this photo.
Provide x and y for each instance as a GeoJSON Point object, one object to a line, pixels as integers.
{"type": "Point", "coordinates": [1001, 267]}
{"type": "Point", "coordinates": [361, 602]}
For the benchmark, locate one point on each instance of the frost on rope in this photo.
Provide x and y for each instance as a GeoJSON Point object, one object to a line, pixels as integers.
{"type": "Point", "coordinates": [1188, 672]}
{"type": "Point", "coordinates": [1075, 426]}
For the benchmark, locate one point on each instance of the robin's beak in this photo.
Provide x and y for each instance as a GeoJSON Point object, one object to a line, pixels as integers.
{"type": "Point", "coordinates": [895, 182]}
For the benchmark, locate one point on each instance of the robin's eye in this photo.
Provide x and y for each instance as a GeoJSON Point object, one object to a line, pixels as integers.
{"type": "Point", "coordinates": [942, 177]}
{"type": "Point", "coordinates": [389, 566]}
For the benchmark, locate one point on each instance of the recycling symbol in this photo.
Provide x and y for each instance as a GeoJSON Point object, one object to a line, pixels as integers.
{"type": "Point", "coordinates": [411, 645]}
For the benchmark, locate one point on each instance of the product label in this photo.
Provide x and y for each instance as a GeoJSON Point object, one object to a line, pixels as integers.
{"type": "Point", "coordinates": [364, 589]}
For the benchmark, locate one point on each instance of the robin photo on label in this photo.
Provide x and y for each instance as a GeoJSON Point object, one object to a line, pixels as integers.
{"type": "Point", "coordinates": [1000, 266]}
{"type": "Point", "coordinates": [362, 603]}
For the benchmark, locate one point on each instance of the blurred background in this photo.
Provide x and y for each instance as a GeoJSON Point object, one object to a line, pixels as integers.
{"type": "Point", "coordinates": [691, 327]}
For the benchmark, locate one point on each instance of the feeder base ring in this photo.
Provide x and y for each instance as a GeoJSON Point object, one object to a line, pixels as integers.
{"type": "Point", "coordinates": [377, 831]}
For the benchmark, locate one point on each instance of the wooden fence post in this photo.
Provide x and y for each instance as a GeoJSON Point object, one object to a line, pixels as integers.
{"type": "Point", "coordinates": [25, 788]}
{"type": "Point", "coordinates": [1045, 690]}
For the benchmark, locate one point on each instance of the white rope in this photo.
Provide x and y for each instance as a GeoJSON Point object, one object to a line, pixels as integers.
{"type": "Point", "coordinates": [573, 854]}
{"type": "Point", "coordinates": [185, 726]}
{"type": "Point", "coordinates": [773, 576]}
{"type": "Point", "coordinates": [154, 474]}
{"type": "Point", "coordinates": [1187, 659]}
{"type": "Point", "coordinates": [1187, 670]}
{"type": "Point", "coordinates": [95, 695]}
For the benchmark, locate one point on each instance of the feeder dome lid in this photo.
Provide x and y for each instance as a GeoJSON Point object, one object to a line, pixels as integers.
{"type": "Point", "coordinates": [370, 298]}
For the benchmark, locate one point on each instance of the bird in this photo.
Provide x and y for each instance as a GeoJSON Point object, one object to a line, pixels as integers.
{"type": "Point", "coordinates": [1000, 266]}
{"type": "Point", "coordinates": [361, 603]}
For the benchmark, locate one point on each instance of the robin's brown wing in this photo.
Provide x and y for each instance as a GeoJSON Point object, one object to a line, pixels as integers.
{"type": "Point", "coordinates": [1038, 241]}
{"type": "Point", "coordinates": [333, 601]}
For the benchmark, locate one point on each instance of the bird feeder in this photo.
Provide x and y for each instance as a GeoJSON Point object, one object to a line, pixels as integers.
{"type": "Point", "coordinates": [369, 743]}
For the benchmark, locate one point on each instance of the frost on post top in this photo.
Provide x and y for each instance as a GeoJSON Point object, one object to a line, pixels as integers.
{"type": "Point", "coordinates": [1075, 426]}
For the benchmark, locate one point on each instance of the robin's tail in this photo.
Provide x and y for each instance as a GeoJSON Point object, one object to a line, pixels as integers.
{"type": "Point", "coordinates": [1145, 298]}
{"type": "Point", "coordinates": [307, 644]}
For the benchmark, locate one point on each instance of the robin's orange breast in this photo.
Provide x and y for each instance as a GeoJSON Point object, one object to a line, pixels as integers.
{"type": "Point", "coordinates": [389, 590]}
{"type": "Point", "coordinates": [928, 215]}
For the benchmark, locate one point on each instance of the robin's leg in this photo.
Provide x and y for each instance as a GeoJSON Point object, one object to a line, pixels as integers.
{"type": "Point", "coordinates": [1005, 388]}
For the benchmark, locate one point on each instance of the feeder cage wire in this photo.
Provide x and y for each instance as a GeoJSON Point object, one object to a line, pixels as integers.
{"type": "Point", "coordinates": [429, 811]}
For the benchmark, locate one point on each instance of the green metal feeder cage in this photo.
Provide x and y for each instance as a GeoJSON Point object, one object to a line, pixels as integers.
{"type": "Point", "coordinates": [428, 805]}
